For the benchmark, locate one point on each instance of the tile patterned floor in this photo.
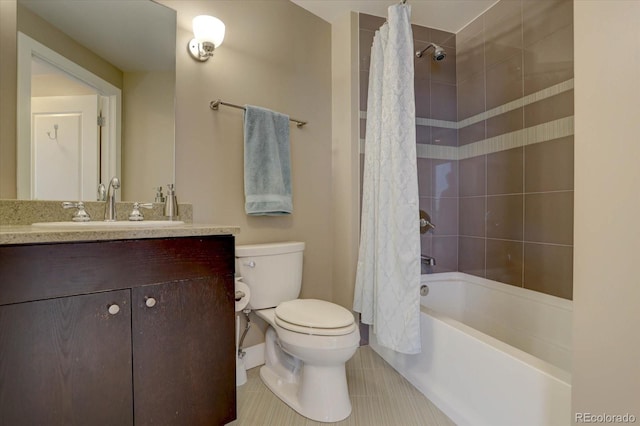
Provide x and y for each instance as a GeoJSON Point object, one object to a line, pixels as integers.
{"type": "Point", "coordinates": [379, 396]}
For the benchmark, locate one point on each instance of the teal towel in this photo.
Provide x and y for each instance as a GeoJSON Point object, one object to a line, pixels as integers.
{"type": "Point", "coordinates": [267, 163]}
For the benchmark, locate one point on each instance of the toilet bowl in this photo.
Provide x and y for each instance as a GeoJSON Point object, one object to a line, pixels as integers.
{"type": "Point", "coordinates": [308, 341]}
{"type": "Point", "coordinates": [307, 371]}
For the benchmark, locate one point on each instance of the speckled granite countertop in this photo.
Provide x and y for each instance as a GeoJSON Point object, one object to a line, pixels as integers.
{"type": "Point", "coordinates": [26, 234]}
{"type": "Point", "coordinates": [16, 217]}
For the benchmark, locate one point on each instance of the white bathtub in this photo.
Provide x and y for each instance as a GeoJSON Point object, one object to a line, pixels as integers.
{"type": "Point", "coordinates": [492, 354]}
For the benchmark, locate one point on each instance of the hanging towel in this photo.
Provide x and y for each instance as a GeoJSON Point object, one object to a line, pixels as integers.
{"type": "Point", "coordinates": [267, 163]}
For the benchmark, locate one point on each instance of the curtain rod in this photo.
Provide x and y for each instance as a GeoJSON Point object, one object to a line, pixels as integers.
{"type": "Point", "coordinates": [215, 104]}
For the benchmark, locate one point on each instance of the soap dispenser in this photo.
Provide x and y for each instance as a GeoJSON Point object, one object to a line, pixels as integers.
{"type": "Point", "coordinates": [171, 204]}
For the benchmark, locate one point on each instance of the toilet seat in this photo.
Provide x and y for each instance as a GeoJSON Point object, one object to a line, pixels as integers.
{"type": "Point", "coordinates": [315, 331]}
{"type": "Point", "coordinates": [315, 317]}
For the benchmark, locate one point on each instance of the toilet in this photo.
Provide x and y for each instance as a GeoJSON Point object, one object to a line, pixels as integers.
{"type": "Point", "coordinates": [308, 341]}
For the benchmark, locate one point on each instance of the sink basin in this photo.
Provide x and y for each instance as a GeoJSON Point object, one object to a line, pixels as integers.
{"type": "Point", "coordinates": [108, 225]}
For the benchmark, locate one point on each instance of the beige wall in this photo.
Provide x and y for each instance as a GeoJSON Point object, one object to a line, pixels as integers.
{"type": "Point", "coordinates": [8, 78]}
{"type": "Point", "coordinates": [147, 134]}
{"type": "Point", "coordinates": [606, 376]}
{"type": "Point", "coordinates": [346, 157]}
{"type": "Point", "coordinates": [43, 32]}
{"type": "Point", "coordinates": [275, 55]}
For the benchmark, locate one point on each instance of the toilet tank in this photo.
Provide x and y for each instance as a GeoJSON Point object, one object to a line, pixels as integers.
{"type": "Point", "coordinates": [272, 271]}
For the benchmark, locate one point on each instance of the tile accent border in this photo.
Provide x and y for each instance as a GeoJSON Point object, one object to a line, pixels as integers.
{"type": "Point", "coordinates": [540, 133]}
{"type": "Point", "coordinates": [518, 103]}
{"type": "Point", "coordinates": [527, 136]}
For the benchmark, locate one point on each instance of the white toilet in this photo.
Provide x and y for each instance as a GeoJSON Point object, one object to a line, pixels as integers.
{"type": "Point", "coordinates": [308, 341]}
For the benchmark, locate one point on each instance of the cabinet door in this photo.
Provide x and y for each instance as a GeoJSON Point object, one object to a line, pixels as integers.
{"type": "Point", "coordinates": [66, 361]}
{"type": "Point", "coordinates": [184, 352]}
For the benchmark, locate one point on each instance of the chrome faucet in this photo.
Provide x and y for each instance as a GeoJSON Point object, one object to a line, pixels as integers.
{"type": "Point", "coordinates": [426, 264]}
{"type": "Point", "coordinates": [427, 260]}
{"type": "Point", "coordinates": [110, 207]}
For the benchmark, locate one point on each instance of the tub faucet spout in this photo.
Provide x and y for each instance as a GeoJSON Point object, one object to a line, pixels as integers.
{"type": "Point", "coordinates": [427, 260]}
{"type": "Point", "coordinates": [426, 264]}
{"type": "Point", "coordinates": [110, 207]}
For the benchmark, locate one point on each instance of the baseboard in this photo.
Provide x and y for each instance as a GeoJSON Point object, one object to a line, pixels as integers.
{"type": "Point", "coordinates": [254, 356]}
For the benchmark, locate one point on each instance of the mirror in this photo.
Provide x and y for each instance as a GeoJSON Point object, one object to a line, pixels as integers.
{"type": "Point", "coordinates": [129, 46]}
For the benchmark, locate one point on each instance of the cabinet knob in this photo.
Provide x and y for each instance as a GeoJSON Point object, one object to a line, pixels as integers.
{"type": "Point", "coordinates": [250, 264]}
{"type": "Point", "coordinates": [150, 302]}
{"type": "Point", "coordinates": [114, 309]}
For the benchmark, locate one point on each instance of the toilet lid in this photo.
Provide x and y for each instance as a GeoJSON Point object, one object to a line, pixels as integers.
{"type": "Point", "coordinates": [314, 316]}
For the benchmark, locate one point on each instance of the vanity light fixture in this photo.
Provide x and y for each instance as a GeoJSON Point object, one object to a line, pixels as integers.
{"type": "Point", "coordinates": [208, 32]}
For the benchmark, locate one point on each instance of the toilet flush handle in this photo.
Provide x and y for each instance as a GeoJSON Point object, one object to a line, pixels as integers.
{"type": "Point", "coordinates": [250, 264]}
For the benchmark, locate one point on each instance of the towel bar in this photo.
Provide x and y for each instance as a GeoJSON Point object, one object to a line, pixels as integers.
{"type": "Point", "coordinates": [215, 104]}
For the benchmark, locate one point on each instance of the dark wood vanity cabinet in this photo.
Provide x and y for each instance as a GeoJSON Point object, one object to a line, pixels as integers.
{"type": "Point", "coordinates": [64, 361]}
{"type": "Point", "coordinates": [127, 332]}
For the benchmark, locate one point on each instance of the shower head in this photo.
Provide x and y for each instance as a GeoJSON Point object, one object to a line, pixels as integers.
{"type": "Point", "coordinates": [438, 52]}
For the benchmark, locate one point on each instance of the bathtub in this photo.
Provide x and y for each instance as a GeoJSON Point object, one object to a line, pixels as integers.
{"type": "Point", "coordinates": [492, 354]}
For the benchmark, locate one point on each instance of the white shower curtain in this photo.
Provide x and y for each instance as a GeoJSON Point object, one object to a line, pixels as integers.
{"type": "Point", "coordinates": [388, 274]}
